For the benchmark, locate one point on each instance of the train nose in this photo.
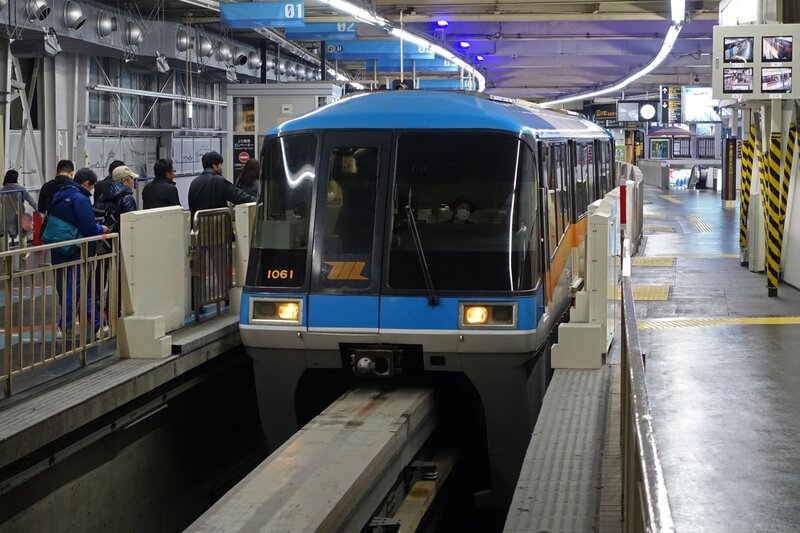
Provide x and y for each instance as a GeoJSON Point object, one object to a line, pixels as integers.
{"type": "Point", "coordinates": [373, 363]}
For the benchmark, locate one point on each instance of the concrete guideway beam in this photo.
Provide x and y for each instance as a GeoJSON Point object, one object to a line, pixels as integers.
{"type": "Point", "coordinates": [334, 472]}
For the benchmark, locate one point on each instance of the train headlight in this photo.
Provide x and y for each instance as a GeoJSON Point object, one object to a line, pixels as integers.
{"type": "Point", "coordinates": [484, 314]}
{"type": "Point", "coordinates": [275, 311]}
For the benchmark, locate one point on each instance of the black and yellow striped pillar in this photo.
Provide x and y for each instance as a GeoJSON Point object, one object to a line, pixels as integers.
{"type": "Point", "coordinates": [761, 156]}
{"type": "Point", "coordinates": [748, 148]}
{"type": "Point", "coordinates": [772, 200]}
{"type": "Point", "coordinates": [788, 166]}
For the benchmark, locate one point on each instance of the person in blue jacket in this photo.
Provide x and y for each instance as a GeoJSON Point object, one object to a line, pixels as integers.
{"type": "Point", "coordinates": [71, 204]}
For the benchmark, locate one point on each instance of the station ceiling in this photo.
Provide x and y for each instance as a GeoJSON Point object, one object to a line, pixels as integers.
{"type": "Point", "coordinates": [534, 49]}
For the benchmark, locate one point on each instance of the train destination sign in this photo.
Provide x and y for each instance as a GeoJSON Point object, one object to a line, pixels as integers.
{"type": "Point", "coordinates": [244, 15]}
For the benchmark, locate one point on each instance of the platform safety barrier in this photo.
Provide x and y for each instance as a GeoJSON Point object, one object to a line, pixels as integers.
{"type": "Point", "coordinates": [645, 502]}
{"type": "Point", "coordinates": [34, 297]}
{"type": "Point", "coordinates": [212, 258]}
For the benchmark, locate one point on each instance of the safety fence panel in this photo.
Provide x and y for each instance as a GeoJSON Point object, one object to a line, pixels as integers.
{"type": "Point", "coordinates": [645, 502]}
{"type": "Point", "coordinates": [212, 258]}
{"type": "Point", "coordinates": [52, 310]}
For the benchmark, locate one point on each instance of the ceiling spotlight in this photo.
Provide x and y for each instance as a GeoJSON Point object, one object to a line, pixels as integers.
{"type": "Point", "coordinates": [282, 67]}
{"type": "Point", "coordinates": [479, 58]}
{"type": "Point", "coordinates": [73, 15]}
{"type": "Point", "coordinates": [270, 63]}
{"type": "Point", "coordinates": [206, 47]}
{"type": "Point", "coordinates": [301, 72]}
{"type": "Point", "coordinates": [239, 57]}
{"type": "Point", "coordinates": [105, 24]}
{"type": "Point", "coordinates": [463, 44]}
{"type": "Point", "coordinates": [3, 3]}
{"type": "Point", "coordinates": [51, 45]}
{"type": "Point", "coordinates": [133, 34]}
{"type": "Point", "coordinates": [254, 59]}
{"type": "Point", "coordinates": [161, 63]}
{"type": "Point", "coordinates": [224, 52]}
{"type": "Point", "coordinates": [38, 9]}
{"type": "Point", "coordinates": [184, 41]}
{"type": "Point", "coordinates": [230, 74]}
{"type": "Point", "coordinates": [442, 23]}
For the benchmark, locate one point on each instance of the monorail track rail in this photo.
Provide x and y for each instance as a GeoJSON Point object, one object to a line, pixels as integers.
{"type": "Point", "coordinates": [335, 472]}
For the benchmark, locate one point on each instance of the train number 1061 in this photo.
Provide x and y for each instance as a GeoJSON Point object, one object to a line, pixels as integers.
{"type": "Point", "coordinates": [280, 274]}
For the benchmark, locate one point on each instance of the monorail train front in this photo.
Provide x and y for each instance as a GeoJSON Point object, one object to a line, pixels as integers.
{"type": "Point", "coordinates": [358, 269]}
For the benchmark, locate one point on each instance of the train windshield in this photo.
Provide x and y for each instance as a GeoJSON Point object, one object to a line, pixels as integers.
{"type": "Point", "coordinates": [279, 251]}
{"type": "Point", "coordinates": [473, 200]}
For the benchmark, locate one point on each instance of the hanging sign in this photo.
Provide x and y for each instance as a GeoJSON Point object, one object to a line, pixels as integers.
{"type": "Point", "coordinates": [244, 149]}
{"type": "Point", "coordinates": [375, 50]}
{"type": "Point", "coordinates": [670, 104]}
{"type": "Point", "coordinates": [243, 15]}
{"type": "Point", "coordinates": [324, 31]}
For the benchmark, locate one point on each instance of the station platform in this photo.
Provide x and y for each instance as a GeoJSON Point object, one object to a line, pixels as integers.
{"type": "Point", "coordinates": [722, 370]}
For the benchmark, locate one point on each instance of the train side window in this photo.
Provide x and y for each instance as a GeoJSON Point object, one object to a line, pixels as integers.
{"type": "Point", "coordinates": [591, 184]}
{"type": "Point", "coordinates": [549, 180]}
{"type": "Point", "coordinates": [579, 180]}
{"type": "Point", "coordinates": [561, 186]}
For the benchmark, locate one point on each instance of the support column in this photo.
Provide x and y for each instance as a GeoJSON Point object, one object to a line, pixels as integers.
{"type": "Point", "coordinates": [772, 198]}
{"type": "Point", "coordinates": [48, 120]}
{"type": "Point", "coordinates": [748, 149]}
{"type": "Point", "coordinates": [5, 97]}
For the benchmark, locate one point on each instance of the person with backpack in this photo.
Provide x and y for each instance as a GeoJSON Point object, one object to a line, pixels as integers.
{"type": "Point", "coordinates": [64, 171]}
{"type": "Point", "coordinates": [115, 200]}
{"type": "Point", "coordinates": [71, 206]}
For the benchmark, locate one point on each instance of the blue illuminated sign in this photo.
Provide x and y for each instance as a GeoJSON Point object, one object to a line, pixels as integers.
{"type": "Point", "coordinates": [324, 31]}
{"type": "Point", "coordinates": [374, 50]}
{"type": "Point", "coordinates": [262, 14]}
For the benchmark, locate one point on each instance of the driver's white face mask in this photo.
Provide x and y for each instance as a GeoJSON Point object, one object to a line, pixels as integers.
{"type": "Point", "coordinates": [462, 214]}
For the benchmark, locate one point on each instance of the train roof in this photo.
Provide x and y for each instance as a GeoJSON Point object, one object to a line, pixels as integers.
{"type": "Point", "coordinates": [441, 110]}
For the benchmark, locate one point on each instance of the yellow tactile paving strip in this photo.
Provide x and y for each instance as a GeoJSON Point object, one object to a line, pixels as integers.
{"type": "Point", "coordinates": [644, 293]}
{"type": "Point", "coordinates": [653, 261]}
{"type": "Point", "coordinates": [699, 224]}
{"type": "Point", "coordinates": [656, 216]}
{"type": "Point", "coordinates": [674, 323]}
{"type": "Point", "coordinates": [704, 256]}
{"type": "Point", "coordinates": [670, 198]}
{"type": "Point", "coordinates": [657, 229]}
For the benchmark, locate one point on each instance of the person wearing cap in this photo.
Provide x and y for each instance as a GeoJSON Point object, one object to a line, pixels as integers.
{"type": "Point", "coordinates": [210, 190]}
{"type": "Point", "coordinates": [118, 197]}
{"type": "Point", "coordinates": [106, 182]}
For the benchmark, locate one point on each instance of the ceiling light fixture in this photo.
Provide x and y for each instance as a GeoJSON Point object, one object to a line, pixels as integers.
{"type": "Point", "coordinates": [669, 42]}
{"type": "Point", "coordinates": [38, 9]}
{"type": "Point", "coordinates": [206, 47]}
{"type": "Point", "coordinates": [224, 52]}
{"type": "Point", "coordinates": [254, 59]}
{"type": "Point", "coordinates": [463, 44]}
{"type": "Point", "coordinates": [479, 58]}
{"type": "Point", "coordinates": [239, 57]}
{"type": "Point", "coordinates": [161, 63]}
{"type": "Point", "coordinates": [442, 23]}
{"type": "Point", "coordinates": [73, 15]}
{"type": "Point", "coordinates": [105, 24]}
{"type": "Point", "coordinates": [184, 41]}
{"type": "Point", "coordinates": [133, 34]}
{"type": "Point", "coordinates": [678, 11]}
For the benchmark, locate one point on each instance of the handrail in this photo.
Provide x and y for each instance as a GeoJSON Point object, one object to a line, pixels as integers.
{"type": "Point", "coordinates": [34, 300]}
{"type": "Point", "coordinates": [645, 499]}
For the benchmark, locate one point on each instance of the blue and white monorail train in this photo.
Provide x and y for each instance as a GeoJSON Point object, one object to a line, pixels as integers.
{"type": "Point", "coordinates": [359, 269]}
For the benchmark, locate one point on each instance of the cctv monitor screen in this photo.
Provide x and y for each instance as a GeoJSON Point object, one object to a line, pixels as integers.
{"type": "Point", "coordinates": [698, 105]}
{"type": "Point", "coordinates": [776, 80]}
{"type": "Point", "coordinates": [737, 80]}
{"type": "Point", "coordinates": [628, 111]}
{"type": "Point", "coordinates": [737, 49]}
{"type": "Point", "coordinates": [776, 49]}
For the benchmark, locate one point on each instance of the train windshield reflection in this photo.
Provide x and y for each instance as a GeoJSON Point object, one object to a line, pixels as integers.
{"type": "Point", "coordinates": [473, 198]}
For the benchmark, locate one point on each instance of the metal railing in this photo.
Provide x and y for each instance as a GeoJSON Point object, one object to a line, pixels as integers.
{"type": "Point", "coordinates": [645, 503]}
{"type": "Point", "coordinates": [12, 213]}
{"type": "Point", "coordinates": [212, 258]}
{"type": "Point", "coordinates": [35, 297]}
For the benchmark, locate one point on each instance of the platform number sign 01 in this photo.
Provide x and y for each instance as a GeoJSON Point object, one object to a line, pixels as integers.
{"type": "Point", "coordinates": [293, 10]}
{"type": "Point", "coordinates": [245, 15]}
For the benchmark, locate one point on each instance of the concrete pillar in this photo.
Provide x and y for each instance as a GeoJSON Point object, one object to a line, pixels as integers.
{"type": "Point", "coordinates": [47, 116]}
{"type": "Point", "coordinates": [5, 76]}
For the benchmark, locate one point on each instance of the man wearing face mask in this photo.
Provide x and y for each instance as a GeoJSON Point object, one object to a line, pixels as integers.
{"type": "Point", "coordinates": [462, 209]}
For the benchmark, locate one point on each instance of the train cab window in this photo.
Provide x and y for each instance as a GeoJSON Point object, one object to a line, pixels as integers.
{"type": "Point", "coordinates": [278, 257]}
{"type": "Point", "coordinates": [349, 219]}
{"type": "Point", "coordinates": [492, 177]}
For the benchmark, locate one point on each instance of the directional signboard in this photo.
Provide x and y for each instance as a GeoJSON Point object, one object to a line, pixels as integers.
{"type": "Point", "coordinates": [374, 49]}
{"type": "Point", "coordinates": [261, 14]}
{"type": "Point", "coordinates": [670, 104]}
{"type": "Point", "coordinates": [324, 31]}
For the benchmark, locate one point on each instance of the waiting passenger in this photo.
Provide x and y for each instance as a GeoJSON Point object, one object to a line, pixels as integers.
{"type": "Point", "coordinates": [462, 209]}
{"type": "Point", "coordinates": [248, 179]}
{"type": "Point", "coordinates": [106, 182]}
{"type": "Point", "coordinates": [64, 171]}
{"type": "Point", "coordinates": [162, 191]}
{"type": "Point", "coordinates": [210, 190]}
{"type": "Point", "coordinates": [13, 210]}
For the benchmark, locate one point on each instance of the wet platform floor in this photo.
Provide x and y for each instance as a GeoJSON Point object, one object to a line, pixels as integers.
{"type": "Point", "coordinates": [723, 373]}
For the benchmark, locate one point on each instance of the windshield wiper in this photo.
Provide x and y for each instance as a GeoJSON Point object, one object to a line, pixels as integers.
{"type": "Point", "coordinates": [433, 298]}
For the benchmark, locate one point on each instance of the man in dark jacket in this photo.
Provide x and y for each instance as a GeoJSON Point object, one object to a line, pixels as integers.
{"type": "Point", "coordinates": [71, 204]}
{"type": "Point", "coordinates": [210, 190]}
{"type": "Point", "coordinates": [117, 198]}
{"type": "Point", "coordinates": [64, 170]}
{"type": "Point", "coordinates": [162, 191]}
{"type": "Point", "coordinates": [105, 183]}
